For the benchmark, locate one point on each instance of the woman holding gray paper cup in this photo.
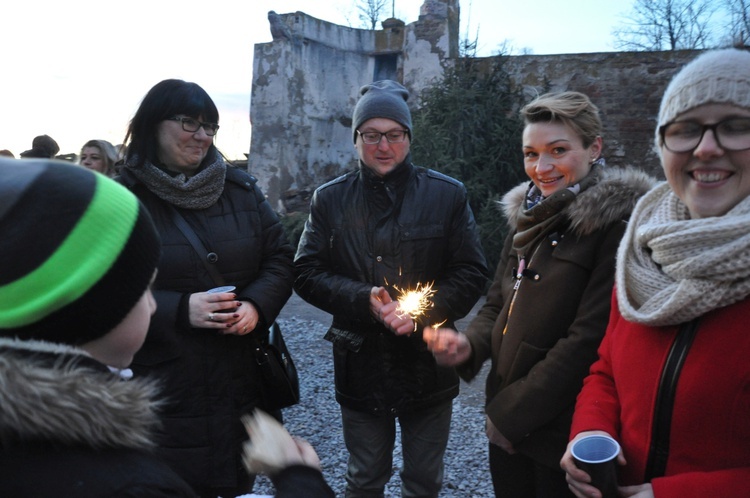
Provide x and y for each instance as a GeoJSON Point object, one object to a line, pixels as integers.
{"type": "Point", "coordinates": [672, 381]}
{"type": "Point", "coordinates": [217, 230]}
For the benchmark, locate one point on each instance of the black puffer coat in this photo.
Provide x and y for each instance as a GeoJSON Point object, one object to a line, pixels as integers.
{"type": "Point", "coordinates": [69, 427]}
{"type": "Point", "coordinates": [412, 226]}
{"type": "Point", "coordinates": [211, 379]}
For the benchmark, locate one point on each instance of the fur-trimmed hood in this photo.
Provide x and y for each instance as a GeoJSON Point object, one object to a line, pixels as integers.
{"type": "Point", "coordinates": [57, 393]}
{"type": "Point", "coordinates": [612, 198]}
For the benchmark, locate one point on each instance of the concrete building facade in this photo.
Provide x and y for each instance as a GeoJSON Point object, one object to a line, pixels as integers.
{"type": "Point", "coordinates": [306, 83]}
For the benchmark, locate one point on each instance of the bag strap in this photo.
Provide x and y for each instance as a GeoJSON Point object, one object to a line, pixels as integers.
{"type": "Point", "coordinates": [197, 244]}
{"type": "Point", "coordinates": [259, 351]}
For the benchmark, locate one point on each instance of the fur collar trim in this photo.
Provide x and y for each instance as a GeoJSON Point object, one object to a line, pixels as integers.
{"type": "Point", "coordinates": [611, 199]}
{"type": "Point", "coordinates": [58, 393]}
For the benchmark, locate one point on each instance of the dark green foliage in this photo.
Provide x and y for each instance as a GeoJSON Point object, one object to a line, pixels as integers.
{"type": "Point", "coordinates": [468, 127]}
{"type": "Point", "coordinates": [293, 224]}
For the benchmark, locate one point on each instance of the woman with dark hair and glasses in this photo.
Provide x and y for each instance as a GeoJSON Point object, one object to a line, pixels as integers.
{"type": "Point", "coordinates": [672, 383]}
{"type": "Point", "coordinates": [200, 344]}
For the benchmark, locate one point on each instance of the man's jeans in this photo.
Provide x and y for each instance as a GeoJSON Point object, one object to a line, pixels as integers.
{"type": "Point", "coordinates": [370, 440]}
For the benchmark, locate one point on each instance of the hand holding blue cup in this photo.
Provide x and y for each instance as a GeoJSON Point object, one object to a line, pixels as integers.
{"type": "Point", "coordinates": [596, 455]}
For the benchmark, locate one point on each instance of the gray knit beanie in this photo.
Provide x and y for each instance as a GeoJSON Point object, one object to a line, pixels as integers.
{"type": "Point", "coordinates": [715, 77]}
{"type": "Point", "coordinates": [382, 99]}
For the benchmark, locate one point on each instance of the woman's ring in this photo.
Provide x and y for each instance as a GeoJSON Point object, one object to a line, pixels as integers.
{"type": "Point", "coordinates": [210, 317]}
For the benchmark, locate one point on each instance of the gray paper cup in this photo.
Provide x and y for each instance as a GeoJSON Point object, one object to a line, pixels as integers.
{"type": "Point", "coordinates": [596, 455]}
{"type": "Point", "coordinates": [223, 288]}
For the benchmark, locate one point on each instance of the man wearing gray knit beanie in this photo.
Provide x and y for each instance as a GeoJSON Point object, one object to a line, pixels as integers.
{"type": "Point", "coordinates": [382, 99]}
{"type": "Point", "coordinates": [373, 234]}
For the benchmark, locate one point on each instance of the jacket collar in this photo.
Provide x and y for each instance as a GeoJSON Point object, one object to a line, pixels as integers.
{"type": "Point", "coordinates": [53, 392]}
{"type": "Point", "coordinates": [395, 179]}
{"type": "Point", "coordinates": [611, 199]}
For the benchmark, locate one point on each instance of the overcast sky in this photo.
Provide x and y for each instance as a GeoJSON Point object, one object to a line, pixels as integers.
{"type": "Point", "coordinates": [77, 69]}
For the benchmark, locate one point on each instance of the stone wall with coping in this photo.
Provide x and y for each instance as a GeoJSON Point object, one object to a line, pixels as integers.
{"type": "Point", "coordinates": [306, 82]}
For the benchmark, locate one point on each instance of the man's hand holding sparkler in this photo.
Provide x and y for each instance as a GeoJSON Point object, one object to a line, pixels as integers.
{"type": "Point", "coordinates": [387, 311]}
{"type": "Point", "coordinates": [450, 348]}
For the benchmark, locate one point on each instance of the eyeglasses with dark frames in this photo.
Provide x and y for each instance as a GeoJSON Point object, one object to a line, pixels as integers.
{"type": "Point", "coordinates": [192, 125]}
{"type": "Point", "coordinates": [732, 134]}
{"type": "Point", "coordinates": [392, 136]}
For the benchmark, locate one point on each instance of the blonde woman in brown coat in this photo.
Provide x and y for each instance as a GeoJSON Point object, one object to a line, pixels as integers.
{"type": "Point", "coordinates": [548, 306]}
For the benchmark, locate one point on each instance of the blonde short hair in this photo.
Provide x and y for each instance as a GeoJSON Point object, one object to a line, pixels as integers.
{"type": "Point", "coordinates": [573, 109]}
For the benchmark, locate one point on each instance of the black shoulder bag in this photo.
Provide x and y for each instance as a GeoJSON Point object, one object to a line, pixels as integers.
{"type": "Point", "coordinates": [280, 381]}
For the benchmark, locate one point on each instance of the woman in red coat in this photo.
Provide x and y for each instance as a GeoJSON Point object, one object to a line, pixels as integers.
{"type": "Point", "coordinates": [672, 383]}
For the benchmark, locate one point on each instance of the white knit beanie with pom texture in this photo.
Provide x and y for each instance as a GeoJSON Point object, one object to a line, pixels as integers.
{"type": "Point", "coordinates": [715, 77]}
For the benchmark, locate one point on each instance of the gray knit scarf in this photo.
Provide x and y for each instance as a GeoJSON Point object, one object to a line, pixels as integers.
{"type": "Point", "coordinates": [197, 192]}
{"type": "Point", "coordinates": [671, 269]}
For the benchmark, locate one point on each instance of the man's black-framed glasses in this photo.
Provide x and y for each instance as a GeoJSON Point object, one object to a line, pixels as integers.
{"type": "Point", "coordinates": [192, 125]}
{"type": "Point", "coordinates": [731, 134]}
{"type": "Point", "coordinates": [374, 137]}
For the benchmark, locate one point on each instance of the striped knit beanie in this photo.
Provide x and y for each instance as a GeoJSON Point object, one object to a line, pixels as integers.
{"type": "Point", "coordinates": [78, 251]}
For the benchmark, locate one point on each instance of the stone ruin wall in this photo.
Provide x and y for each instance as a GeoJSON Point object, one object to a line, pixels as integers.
{"type": "Point", "coordinates": [626, 86]}
{"type": "Point", "coordinates": [305, 85]}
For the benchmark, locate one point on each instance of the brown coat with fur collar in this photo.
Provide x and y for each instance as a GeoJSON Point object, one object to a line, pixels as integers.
{"type": "Point", "coordinates": [542, 348]}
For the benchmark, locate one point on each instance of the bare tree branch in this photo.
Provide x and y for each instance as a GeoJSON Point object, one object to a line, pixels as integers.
{"type": "Point", "coordinates": [666, 25]}
{"type": "Point", "coordinates": [739, 22]}
{"type": "Point", "coordinates": [370, 11]}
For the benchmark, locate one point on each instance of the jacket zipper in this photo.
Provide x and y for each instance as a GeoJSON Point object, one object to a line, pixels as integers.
{"type": "Point", "coordinates": [522, 271]}
{"type": "Point", "coordinates": [658, 454]}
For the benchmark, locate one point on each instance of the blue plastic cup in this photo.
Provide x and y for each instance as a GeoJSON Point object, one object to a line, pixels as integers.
{"type": "Point", "coordinates": [596, 455]}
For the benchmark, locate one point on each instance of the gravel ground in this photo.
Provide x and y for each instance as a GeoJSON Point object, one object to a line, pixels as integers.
{"type": "Point", "coordinates": [317, 417]}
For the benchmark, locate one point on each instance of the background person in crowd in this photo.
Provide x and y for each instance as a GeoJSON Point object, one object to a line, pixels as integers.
{"type": "Point", "coordinates": [43, 146]}
{"type": "Point", "coordinates": [671, 382]}
{"type": "Point", "coordinates": [389, 225]}
{"type": "Point", "coordinates": [6, 153]}
{"type": "Point", "coordinates": [200, 345]}
{"type": "Point", "coordinates": [69, 425]}
{"type": "Point", "coordinates": [547, 309]}
{"type": "Point", "coordinates": [99, 155]}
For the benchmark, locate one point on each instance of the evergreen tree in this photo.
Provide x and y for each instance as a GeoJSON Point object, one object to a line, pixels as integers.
{"type": "Point", "coordinates": [467, 126]}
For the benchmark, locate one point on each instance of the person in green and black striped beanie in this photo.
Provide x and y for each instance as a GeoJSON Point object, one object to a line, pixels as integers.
{"type": "Point", "coordinates": [78, 253]}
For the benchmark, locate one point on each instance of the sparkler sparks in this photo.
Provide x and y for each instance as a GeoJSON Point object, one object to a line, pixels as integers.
{"type": "Point", "coordinates": [416, 302]}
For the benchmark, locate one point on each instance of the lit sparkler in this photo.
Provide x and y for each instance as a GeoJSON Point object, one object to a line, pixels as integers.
{"type": "Point", "coordinates": [416, 302]}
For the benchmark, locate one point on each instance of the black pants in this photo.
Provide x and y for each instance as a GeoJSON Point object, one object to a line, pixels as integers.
{"type": "Point", "coordinates": [243, 488]}
{"type": "Point", "coordinates": [518, 476]}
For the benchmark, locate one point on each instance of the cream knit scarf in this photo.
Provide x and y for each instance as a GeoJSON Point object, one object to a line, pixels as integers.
{"type": "Point", "coordinates": [671, 269]}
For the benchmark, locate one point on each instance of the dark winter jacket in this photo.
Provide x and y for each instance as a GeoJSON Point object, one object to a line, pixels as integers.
{"type": "Point", "coordinates": [298, 481]}
{"type": "Point", "coordinates": [211, 379]}
{"type": "Point", "coordinates": [413, 226]}
{"type": "Point", "coordinates": [71, 428]}
{"type": "Point", "coordinates": [543, 337]}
